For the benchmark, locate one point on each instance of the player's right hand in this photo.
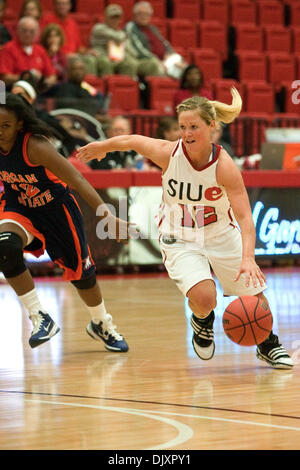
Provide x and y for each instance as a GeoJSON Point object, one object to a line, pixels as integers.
{"type": "Point", "coordinates": [90, 152]}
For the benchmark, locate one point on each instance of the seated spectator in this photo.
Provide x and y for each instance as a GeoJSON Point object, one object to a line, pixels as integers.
{"type": "Point", "coordinates": [191, 84]}
{"type": "Point", "coordinates": [109, 41]}
{"type": "Point", "coordinates": [31, 8]}
{"type": "Point", "coordinates": [23, 53]}
{"type": "Point", "coordinates": [73, 40]}
{"type": "Point", "coordinates": [52, 39]}
{"type": "Point", "coordinates": [168, 129]}
{"type": "Point", "coordinates": [64, 142]}
{"type": "Point", "coordinates": [221, 136]}
{"type": "Point", "coordinates": [146, 42]}
{"type": "Point", "coordinates": [116, 160]}
{"type": "Point", "coordinates": [5, 35]}
{"type": "Point", "coordinates": [76, 92]}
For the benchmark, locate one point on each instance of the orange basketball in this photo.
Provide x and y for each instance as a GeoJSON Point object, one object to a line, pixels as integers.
{"type": "Point", "coordinates": [247, 321]}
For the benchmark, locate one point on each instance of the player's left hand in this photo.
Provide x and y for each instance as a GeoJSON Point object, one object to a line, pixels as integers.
{"type": "Point", "coordinates": [90, 152]}
{"type": "Point", "coordinates": [252, 272]}
{"type": "Point", "coordinates": [123, 230]}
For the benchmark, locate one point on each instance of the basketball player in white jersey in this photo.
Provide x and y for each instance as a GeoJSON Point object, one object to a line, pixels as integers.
{"type": "Point", "coordinates": [205, 218]}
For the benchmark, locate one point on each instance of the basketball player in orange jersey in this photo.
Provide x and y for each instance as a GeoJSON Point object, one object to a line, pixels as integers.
{"type": "Point", "coordinates": [203, 199]}
{"type": "Point", "coordinates": [38, 212]}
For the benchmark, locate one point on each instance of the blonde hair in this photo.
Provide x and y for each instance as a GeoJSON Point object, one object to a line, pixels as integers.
{"type": "Point", "coordinates": [213, 110]}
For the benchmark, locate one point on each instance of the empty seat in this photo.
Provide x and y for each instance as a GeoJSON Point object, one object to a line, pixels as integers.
{"type": "Point", "coordinates": [189, 9]}
{"type": "Point", "coordinates": [209, 61]}
{"type": "Point", "coordinates": [270, 12]}
{"type": "Point", "coordinates": [182, 33]}
{"type": "Point", "coordinates": [161, 25]}
{"type": "Point", "coordinates": [93, 6]}
{"type": "Point", "coordinates": [251, 66]}
{"type": "Point", "coordinates": [213, 35]}
{"type": "Point", "coordinates": [159, 8]}
{"type": "Point", "coordinates": [124, 92]}
{"type": "Point", "coordinates": [295, 34]}
{"type": "Point", "coordinates": [281, 67]}
{"type": "Point", "coordinates": [215, 10]}
{"type": "Point", "coordinates": [242, 11]}
{"type": "Point", "coordinates": [161, 94]}
{"type": "Point", "coordinates": [260, 97]}
{"type": "Point", "coordinates": [294, 8]}
{"type": "Point", "coordinates": [96, 82]}
{"type": "Point", "coordinates": [277, 39]}
{"type": "Point", "coordinates": [248, 37]}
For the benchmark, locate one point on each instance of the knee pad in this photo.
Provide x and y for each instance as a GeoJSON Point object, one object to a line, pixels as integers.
{"type": "Point", "coordinates": [85, 283]}
{"type": "Point", "coordinates": [11, 254]}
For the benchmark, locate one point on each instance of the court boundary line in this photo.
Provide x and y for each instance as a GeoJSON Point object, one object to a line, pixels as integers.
{"type": "Point", "coordinates": [127, 400]}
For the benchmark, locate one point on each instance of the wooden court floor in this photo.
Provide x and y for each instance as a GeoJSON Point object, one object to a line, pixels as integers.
{"type": "Point", "coordinates": [70, 393]}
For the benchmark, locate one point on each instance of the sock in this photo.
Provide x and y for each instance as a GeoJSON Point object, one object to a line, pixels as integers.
{"type": "Point", "coordinates": [204, 320]}
{"type": "Point", "coordinates": [98, 313]}
{"type": "Point", "coordinates": [31, 302]}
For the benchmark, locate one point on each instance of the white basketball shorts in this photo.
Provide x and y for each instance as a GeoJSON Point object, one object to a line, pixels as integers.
{"type": "Point", "coordinates": [187, 263]}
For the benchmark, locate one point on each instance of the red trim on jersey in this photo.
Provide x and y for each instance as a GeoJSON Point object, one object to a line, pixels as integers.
{"type": "Point", "coordinates": [231, 219]}
{"type": "Point", "coordinates": [27, 224]}
{"type": "Point", "coordinates": [175, 149]}
{"type": "Point", "coordinates": [217, 153]}
{"type": "Point", "coordinates": [25, 154]}
{"type": "Point", "coordinates": [75, 200]}
{"type": "Point", "coordinates": [54, 178]}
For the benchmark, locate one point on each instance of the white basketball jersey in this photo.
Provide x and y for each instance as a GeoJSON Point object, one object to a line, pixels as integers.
{"type": "Point", "coordinates": [194, 207]}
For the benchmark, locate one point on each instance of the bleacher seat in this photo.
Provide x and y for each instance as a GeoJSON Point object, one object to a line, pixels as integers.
{"type": "Point", "coordinates": [159, 8]}
{"type": "Point", "coordinates": [96, 82]}
{"type": "Point", "coordinates": [251, 66]}
{"type": "Point", "coordinates": [260, 97]}
{"type": "Point", "coordinates": [93, 6]}
{"type": "Point", "coordinates": [281, 67]}
{"type": "Point", "coordinates": [294, 10]}
{"type": "Point", "coordinates": [242, 11]}
{"type": "Point", "coordinates": [215, 10]}
{"type": "Point", "coordinates": [269, 12]}
{"type": "Point", "coordinates": [248, 37]}
{"type": "Point", "coordinates": [213, 35]}
{"type": "Point", "coordinates": [295, 33]}
{"type": "Point", "coordinates": [209, 61]}
{"type": "Point", "coordinates": [188, 9]}
{"type": "Point", "coordinates": [124, 92]}
{"type": "Point", "coordinates": [182, 33]}
{"type": "Point", "coordinates": [277, 39]}
{"type": "Point", "coordinates": [221, 89]}
{"type": "Point", "coordinates": [161, 93]}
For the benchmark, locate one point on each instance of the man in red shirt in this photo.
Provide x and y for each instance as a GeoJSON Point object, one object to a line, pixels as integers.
{"type": "Point", "coordinates": [60, 16]}
{"type": "Point", "coordinates": [23, 54]}
{"type": "Point", "coordinates": [73, 39]}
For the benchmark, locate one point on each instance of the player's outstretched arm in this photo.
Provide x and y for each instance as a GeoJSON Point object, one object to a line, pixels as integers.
{"type": "Point", "coordinates": [156, 150]}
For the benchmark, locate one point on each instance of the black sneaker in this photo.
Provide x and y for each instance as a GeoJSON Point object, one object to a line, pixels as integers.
{"type": "Point", "coordinates": [107, 333]}
{"type": "Point", "coordinates": [274, 354]}
{"type": "Point", "coordinates": [203, 338]}
{"type": "Point", "coordinates": [43, 329]}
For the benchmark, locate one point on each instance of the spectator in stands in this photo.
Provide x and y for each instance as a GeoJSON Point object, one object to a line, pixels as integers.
{"type": "Point", "coordinates": [75, 91]}
{"type": "Point", "coordinates": [147, 44]}
{"type": "Point", "coordinates": [64, 142]}
{"type": "Point", "coordinates": [23, 53]}
{"type": "Point", "coordinates": [73, 38]}
{"type": "Point", "coordinates": [31, 8]}
{"type": "Point", "coordinates": [221, 136]}
{"type": "Point", "coordinates": [168, 129]}
{"type": "Point", "coordinates": [119, 125]}
{"type": "Point", "coordinates": [5, 35]}
{"type": "Point", "coordinates": [109, 41]}
{"type": "Point", "coordinates": [191, 84]}
{"type": "Point", "coordinates": [52, 39]}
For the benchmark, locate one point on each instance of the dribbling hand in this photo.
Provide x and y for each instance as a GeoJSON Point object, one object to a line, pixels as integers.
{"type": "Point", "coordinates": [251, 271]}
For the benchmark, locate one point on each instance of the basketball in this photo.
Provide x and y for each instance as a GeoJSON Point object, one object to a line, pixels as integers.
{"type": "Point", "coordinates": [247, 321]}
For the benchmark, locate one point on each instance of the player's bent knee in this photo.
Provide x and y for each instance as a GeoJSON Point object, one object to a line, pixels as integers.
{"type": "Point", "coordinates": [88, 283]}
{"type": "Point", "coordinates": [11, 254]}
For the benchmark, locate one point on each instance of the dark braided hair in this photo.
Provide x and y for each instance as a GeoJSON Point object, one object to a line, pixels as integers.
{"type": "Point", "coordinates": [25, 112]}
